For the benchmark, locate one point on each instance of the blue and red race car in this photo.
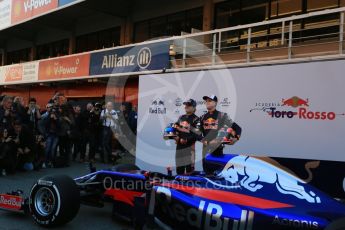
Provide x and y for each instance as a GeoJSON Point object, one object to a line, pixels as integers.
{"type": "Point", "coordinates": [242, 193]}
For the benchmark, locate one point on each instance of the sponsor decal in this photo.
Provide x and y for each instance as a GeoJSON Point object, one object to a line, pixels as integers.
{"type": "Point", "coordinates": [20, 72]}
{"type": "Point", "coordinates": [23, 10]}
{"type": "Point", "coordinates": [243, 170]}
{"type": "Point", "coordinates": [30, 71]}
{"type": "Point", "coordinates": [295, 108]}
{"type": "Point", "coordinates": [114, 61]}
{"type": "Point", "coordinates": [144, 57]}
{"type": "Point", "coordinates": [158, 107]}
{"type": "Point", "coordinates": [225, 102]}
{"type": "Point", "coordinates": [130, 59]}
{"type": "Point", "coordinates": [293, 223]}
{"type": "Point", "coordinates": [45, 182]}
{"type": "Point", "coordinates": [13, 73]}
{"type": "Point", "coordinates": [228, 197]}
{"type": "Point", "coordinates": [211, 123]}
{"type": "Point", "coordinates": [10, 202]}
{"type": "Point", "coordinates": [65, 67]}
{"type": "Point", "coordinates": [202, 102]}
{"type": "Point", "coordinates": [208, 215]}
{"type": "Point", "coordinates": [178, 102]}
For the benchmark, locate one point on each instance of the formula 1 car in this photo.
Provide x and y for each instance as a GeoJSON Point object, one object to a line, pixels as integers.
{"type": "Point", "coordinates": [242, 193]}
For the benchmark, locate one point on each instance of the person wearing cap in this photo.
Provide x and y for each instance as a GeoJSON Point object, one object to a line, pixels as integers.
{"type": "Point", "coordinates": [186, 138]}
{"type": "Point", "coordinates": [210, 124]}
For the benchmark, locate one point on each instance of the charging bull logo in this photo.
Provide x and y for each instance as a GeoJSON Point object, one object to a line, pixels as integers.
{"type": "Point", "coordinates": [244, 170]}
{"type": "Point", "coordinates": [295, 102]}
{"type": "Point", "coordinates": [211, 123]}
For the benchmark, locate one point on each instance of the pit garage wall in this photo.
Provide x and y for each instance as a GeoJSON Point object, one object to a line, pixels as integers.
{"type": "Point", "coordinates": [73, 90]}
{"type": "Point", "coordinates": [83, 68]}
{"type": "Point", "coordinates": [292, 113]}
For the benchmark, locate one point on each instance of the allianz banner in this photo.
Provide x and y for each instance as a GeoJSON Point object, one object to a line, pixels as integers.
{"type": "Point", "coordinates": [292, 112]}
{"type": "Point", "coordinates": [130, 59]}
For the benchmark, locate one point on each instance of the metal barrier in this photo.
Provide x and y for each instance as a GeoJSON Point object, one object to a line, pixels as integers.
{"type": "Point", "coordinates": [314, 34]}
{"type": "Point", "coordinates": [317, 34]}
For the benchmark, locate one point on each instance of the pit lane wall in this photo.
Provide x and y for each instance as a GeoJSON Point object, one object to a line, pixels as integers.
{"type": "Point", "coordinates": [293, 113]}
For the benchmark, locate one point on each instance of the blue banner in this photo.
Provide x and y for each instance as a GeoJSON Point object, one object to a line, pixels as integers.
{"type": "Point", "coordinates": [64, 2]}
{"type": "Point", "coordinates": [130, 59]}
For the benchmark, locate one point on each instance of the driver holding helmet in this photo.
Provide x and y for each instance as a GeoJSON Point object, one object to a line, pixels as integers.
{"type": "Point", "coordinates": [210, 124]}
{"type": "Point", "coordinates": [186, 138]}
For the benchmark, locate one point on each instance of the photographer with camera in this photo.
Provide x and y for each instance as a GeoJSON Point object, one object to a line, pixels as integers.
{"type": "Point", "coordinates": [33, 113]}
{"type": "Point", "coordinates": [49, 127]}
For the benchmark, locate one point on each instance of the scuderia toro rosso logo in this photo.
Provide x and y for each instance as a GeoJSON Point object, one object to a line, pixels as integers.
{"type": "Point", "coordinates": [295, 108]}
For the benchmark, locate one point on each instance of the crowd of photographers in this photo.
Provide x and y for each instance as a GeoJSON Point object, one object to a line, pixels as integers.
{"type": "Point", "coordinates": [32, 138]}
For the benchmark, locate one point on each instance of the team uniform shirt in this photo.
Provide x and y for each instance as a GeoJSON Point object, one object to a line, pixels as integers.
{"type": "Point", "coordinates": [187, 124]}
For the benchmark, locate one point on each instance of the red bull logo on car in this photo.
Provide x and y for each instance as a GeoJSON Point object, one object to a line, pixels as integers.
{"type": "Point", "coordinates": [297, 107]}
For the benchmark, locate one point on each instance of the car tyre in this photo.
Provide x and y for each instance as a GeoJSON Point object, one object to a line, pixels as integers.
{"type": "Point", "coordinates": [54, 200]}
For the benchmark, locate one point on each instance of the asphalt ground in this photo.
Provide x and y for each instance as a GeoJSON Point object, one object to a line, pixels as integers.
{"type": "Point", "coordinates": [87, 218]}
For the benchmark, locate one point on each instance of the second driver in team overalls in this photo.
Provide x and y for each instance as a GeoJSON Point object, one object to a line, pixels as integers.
{"type": "Point", "coordinates": [186, 138]}
{"type": "Point", "coordinates": [210, 125]}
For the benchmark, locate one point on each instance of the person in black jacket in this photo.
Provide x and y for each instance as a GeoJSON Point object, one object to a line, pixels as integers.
{"type": "Point", "coordinates": [186, 138]}
{"type": "Point", "coordinates": [7, 115]}
{"type": "Point", "coordinates": [90, 120]}
{"type": "Point", "coordinates": [127, 127]}
{"type": "Point", "coordinates": [8, 154]}
{"type": "Point", "coordinates": [33, 115]}
{"type": "Point", "coordinates": [66, 122]}
{"type": "Point", "coordinates": [210, 124]}
{"type": "Point", "coordinates": [25, 143]}
{"type": "Point", "coordinates": [76, 132]}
